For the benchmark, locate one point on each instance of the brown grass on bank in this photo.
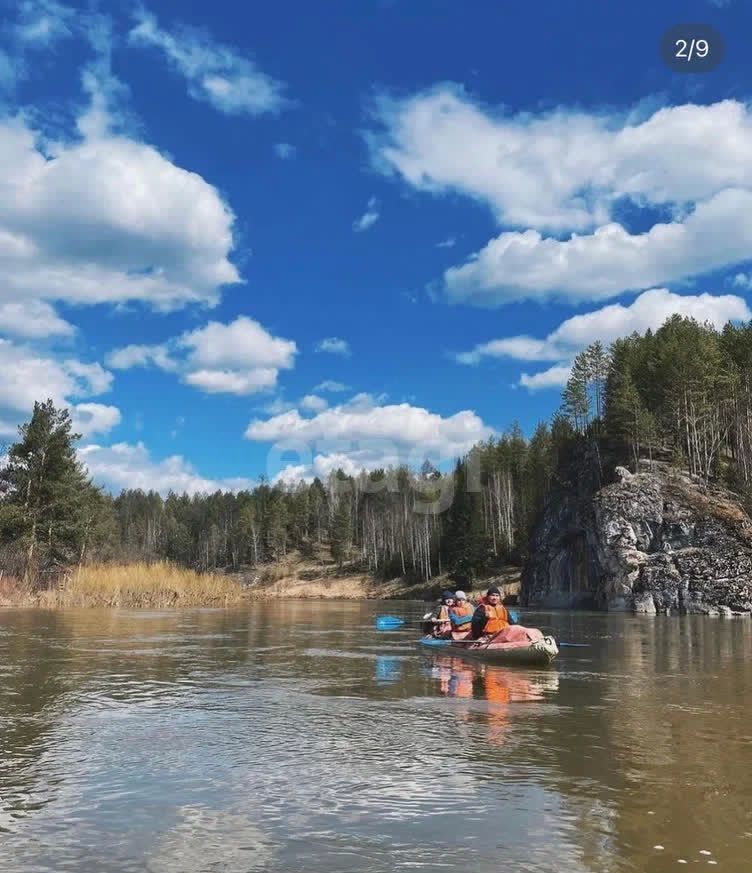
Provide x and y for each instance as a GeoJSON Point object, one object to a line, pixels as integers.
{"type": "Point", "coordinates": [152, 586]}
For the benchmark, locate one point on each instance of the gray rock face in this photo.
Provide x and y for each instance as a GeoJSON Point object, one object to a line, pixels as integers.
{"type": "Point", "coordinates": [651, 542]}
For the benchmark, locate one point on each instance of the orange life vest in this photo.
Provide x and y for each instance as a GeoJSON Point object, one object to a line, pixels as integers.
{"type": "Point", "coordinates": [497, 618]}
{"type": "Point", "coordinates": [460, 631]}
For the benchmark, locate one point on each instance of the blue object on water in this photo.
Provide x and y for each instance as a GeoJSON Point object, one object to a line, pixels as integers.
{"type": "Point", "coordinates": [434, 643]}
{"type": "Point", "coordinates": [574, 645]}
{"type": "Point", "coordinates": [514, 616]}
{"type": "Point", "coordinates": [389, 622]}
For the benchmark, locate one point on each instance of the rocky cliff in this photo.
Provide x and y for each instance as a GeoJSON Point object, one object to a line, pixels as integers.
{"type": "Point", "coordinates": [651, 542]}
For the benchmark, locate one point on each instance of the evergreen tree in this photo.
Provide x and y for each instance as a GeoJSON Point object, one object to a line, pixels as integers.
{"type": "Point", "coordinates": [51, 506]}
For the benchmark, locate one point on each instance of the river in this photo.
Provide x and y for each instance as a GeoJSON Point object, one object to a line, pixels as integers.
{"type": "Point", "coordinates": [294, 736]}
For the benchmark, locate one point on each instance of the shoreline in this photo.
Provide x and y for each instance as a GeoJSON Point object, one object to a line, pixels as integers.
{"type": "Point", "coordinates": [163, 586]}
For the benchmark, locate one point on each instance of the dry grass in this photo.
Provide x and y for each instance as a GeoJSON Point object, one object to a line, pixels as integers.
{"type": "Point", "coordinates": [162, 585]}
{"type": "Point", "coordinates": [153, 586]}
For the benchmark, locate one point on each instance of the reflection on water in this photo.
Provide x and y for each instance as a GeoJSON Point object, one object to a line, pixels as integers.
{"type": "Point", "coordinates": [497, 687]}
{"type": "Point", "coordinates": [293, 734]}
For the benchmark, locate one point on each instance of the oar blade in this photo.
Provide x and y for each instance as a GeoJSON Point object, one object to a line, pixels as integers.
{"type": "Point", "coordinates": [389, 622]}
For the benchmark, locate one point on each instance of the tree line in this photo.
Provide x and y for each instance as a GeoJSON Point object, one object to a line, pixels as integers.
{"type": "Point", "coordinates": [684, 391]}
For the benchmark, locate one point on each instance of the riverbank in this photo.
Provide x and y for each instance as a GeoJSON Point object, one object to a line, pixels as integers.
{"type": "Point", "coordinates": [163, 585]}
{"type": "Point", "coordinates": [136, 585]}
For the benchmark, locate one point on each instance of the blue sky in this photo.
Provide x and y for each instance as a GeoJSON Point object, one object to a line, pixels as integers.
{"type": "Point", "coordinates": [245, 239]}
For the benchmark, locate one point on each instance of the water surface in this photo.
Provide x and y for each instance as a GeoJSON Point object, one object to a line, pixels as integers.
{"type": "Point", "coordinates": [292, 736]}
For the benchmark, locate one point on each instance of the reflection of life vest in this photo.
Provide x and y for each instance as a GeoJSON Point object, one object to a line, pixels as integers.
{"type": "Point", "coordinates": [497, 618]}
{"type": "Point", "coordinates": [497, 687]}
{"type": "Point", "coordinates": [462, 683]}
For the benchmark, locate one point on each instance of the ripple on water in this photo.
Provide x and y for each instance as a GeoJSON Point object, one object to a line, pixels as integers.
{"type": "Point", "coordinates": [335, 749]}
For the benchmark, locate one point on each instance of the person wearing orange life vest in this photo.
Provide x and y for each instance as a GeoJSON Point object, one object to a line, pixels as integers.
{"type": "Point", "coordinates": [461, 616]}
{"type": "Point", "coordinates": [491, 616]}
{"type": "Point", "coordinates": [440, 620]}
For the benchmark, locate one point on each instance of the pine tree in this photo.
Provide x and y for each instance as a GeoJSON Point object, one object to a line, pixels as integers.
{"type": "Point", "coordinates": [575, 397]}
{"type": "Point", "coordinates": [51, 505]}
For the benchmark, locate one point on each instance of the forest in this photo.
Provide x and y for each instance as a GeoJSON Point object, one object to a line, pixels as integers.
{"type": "Point", "coordinates": [683, 391]}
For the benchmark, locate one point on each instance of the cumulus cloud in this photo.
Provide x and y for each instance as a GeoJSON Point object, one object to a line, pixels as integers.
{"type": "Point", "coordinates": [28, 375]}
{"type": "Point", "coordinates": [368, 218]}
{"type": "Point", "coordinates": [107, 219]}
{"type": "Point", "coordinates": [334, 345]}
{"type": "Point", "coordinates": [33, 319]}
{"type": "Point", "coordinates": [313, 403]}
{"type": "Point", "coordinates": [215, 73]}
{"type": "Point", "coordinates": [553, 377]}
{"type": "Point", "coordinates": [366, 433]}
{"type": "Point", "coordinates": [92, 418]}
{"type": "Point", "coordinates": [558, 177]}
{"type": "Point", "coordinates": [648, 312]}
{"type": "Point", "coordinates": [241, 357]}
{"type": "Point", "coordinates": [124, 465]}
{"type": "Point", "coordinates": [609, 261]}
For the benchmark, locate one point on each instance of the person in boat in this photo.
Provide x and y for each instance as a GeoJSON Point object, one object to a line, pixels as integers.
{"type": "Point", "coordinates": [461, 616]}
{"type": "Point", "coordinates": [491, 616]}
{"type": "Point", "coordinates": [441, 625]}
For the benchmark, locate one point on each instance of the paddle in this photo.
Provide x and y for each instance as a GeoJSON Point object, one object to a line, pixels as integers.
{"type": "Point", "coordinates": [389, 622]}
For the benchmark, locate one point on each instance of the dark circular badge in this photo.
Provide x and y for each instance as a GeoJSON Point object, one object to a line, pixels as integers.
{"type": "Point", "coordinates": [692, 48]}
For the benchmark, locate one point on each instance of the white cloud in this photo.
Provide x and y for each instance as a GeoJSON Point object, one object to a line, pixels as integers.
{"type": "Point", "coordinates": [216, 74]}
{"type": "Point", "coordinates": [334, 345]}
{"type": "Point", "coordinates": [243, 343]}
{"type": "Point", "coordinates": [142, 356]}
{"type": "Point", "coordinates": [29, 375]}
{"type": "Point", "coordinates": [331, 386]}
{"type": "Point", "coordinates": [32, 318]}
{"type": "Point", "coordinates": [368, 218]}
{"type": "Point", "coordinates": [609, 261]}
{"type": "Point", "coordinates": [124, 465]}
{"type": "Point", "coordinates": [277, 406]}
{"type": "Point", "coordinates": [236, 358]}
{"type": "Point", "coordinates": [284, 150]}
{"type": "Point", "coordinates": [91, 418]}
{"type": "Point", "coordinates": [649, 311]}
{"type": "Point", "coordinates": [232, 381]}
{"type": "Point", "coordinates": [563, 173]}
{"type": "Point", "coordinates": [742, 280]}
{"type": "Point", "coordinates": [365, 433]}
{"type": "Point", "coordinates": [313, 403]}
{"type": "Point", "coordinates": [35, 26]}
{"type": "Point", "coordinates": [107, 219]}
{"type": "Point", "coordinates": [553, 377]}
{"type": "Point", "coordinates": [42, 22]}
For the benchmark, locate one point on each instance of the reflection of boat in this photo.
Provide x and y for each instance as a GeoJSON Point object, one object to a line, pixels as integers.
{"type": "Point", "coordinates": [514, 645]}
{"type": "Point", "coordinates": [489, 684]}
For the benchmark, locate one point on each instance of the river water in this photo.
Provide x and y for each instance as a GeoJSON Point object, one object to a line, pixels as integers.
{"type": "Point", "coordinates": [294, 736]}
